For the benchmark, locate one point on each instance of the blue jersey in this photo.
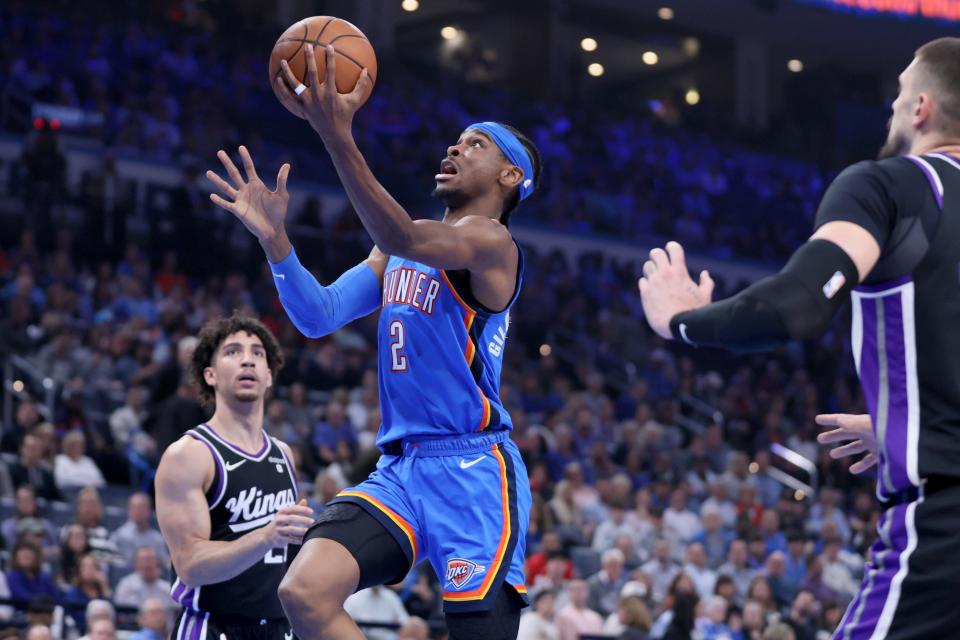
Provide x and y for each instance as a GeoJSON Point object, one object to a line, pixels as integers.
{"type": "Point", "coordinates": [440, 354]}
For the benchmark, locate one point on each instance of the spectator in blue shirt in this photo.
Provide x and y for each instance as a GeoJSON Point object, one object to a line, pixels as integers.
{"type": "Point", "coordinates": [796, 557]}
{"type": "Point", "coordinates": [330, 432]}
{"type": "Point", "coordinates": [25, 578]}
{"type": "Point", "coordinates": [152, 620]}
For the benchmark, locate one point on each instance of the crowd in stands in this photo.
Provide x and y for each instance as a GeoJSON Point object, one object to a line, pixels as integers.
{"type": "Point", "coordinates": [651, 518]}
{"type": "Point", "coordinates": [161, 91]}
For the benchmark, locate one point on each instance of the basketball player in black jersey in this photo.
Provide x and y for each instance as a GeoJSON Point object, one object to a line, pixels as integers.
{"type": "Point", "coordinates": [887, 239]}
{"type": "Point", "coordinates": [227, 494]}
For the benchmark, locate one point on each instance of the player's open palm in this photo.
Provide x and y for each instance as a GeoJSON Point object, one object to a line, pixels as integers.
{"type": "Point", "coordinates": [261, 210]}
{"type": "Point", "coordinates": [667, 289]}
{"type": "Point", "coordinates": [852, 435]}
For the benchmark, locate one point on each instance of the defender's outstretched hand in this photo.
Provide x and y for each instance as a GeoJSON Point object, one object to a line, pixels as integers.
{"type": "Point", "coordinates": [260, 210]}
{"type": "Point", "coordinates": [327, 110]}
{"type": "Point", "coordinates": [667, 289]}
{"type": "Point", "coordinates": [855, 435]}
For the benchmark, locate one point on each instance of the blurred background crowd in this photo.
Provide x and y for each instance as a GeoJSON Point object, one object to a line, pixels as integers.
{"type": "Point", "coordinates": [676, 494]}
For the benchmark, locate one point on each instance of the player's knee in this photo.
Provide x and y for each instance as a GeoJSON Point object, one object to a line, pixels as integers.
{"type": "Point", "coordinates": [306, 593]}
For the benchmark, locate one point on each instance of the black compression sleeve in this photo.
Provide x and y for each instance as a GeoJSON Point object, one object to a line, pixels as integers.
{"type": "Point", "coordinates": [795, 304]}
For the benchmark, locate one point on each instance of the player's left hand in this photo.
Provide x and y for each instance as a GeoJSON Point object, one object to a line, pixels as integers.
{"type": "Point", "coordinates": [667, 289]}
{"type": "Point", "coordinates": [327, 110]}
{"type": "Point", "coordinates": [855, 435]}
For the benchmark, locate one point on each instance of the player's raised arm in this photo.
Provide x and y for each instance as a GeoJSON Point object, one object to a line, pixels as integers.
{"type": "Point", "coordinates": [473, 244]}
{"type": "Point", "coordinates": [795, 304]}
{"type": "Point", "coordinates": [184, 519]}
{"type": "Point", "coordinates": [314, 309]}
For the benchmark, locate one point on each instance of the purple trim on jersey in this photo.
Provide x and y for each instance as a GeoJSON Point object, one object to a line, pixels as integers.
{"type": "Point", "coordinates": [191, 627]}
{"type": "Point", "coordinates": [932, 178]}
{"type": "Point", "coordinates": [254, 456]}
{"type": "Point", "coordinates": [897, 403]}
{"type": "Point", "coordinates": [887, 567]}
{"type": "Point", "coordinates": [947, 158]}
{"type": "Point", "coordinates": [177, 591]}
{"type": "Point", "coordinates": [886, 378]}
{"type": "Point", "coordinates": [293, 478]}
{"type": "Point", "coordinates": [883, 286]}
{"type": "Point", "coordinates": [221, 472]}
{"type": "Point", "coordinates": [869, 366]}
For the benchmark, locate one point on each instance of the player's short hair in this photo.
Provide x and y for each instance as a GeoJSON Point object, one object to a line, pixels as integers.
{"type": "Point", "coordinates": [940, 61]}
{"type": "Point", "coordinates": [513, 200]}
{"type": "Point", "coordinates": [213, 334]}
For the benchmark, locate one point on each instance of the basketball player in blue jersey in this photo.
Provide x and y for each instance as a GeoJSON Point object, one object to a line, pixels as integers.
{"type": "Point", "coordinates": [227, 494]}
{"type": "Point", "coordinates": [886, 241]}
{"type": "Point", "coordinates": [450, 486]}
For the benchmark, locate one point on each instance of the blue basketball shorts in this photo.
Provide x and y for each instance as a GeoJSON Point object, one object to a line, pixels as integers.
{"type": "Point", "coordinates": [463, 503]}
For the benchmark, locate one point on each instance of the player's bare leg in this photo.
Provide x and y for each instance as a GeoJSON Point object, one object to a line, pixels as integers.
{"type": "Point", "coordinates": [313, 598]}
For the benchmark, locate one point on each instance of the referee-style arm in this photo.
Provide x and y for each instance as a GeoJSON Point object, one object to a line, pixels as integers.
{"type": "Point", "coordinates": [185, 471]}
{"type": "Point", "coordinates": [795, 304]}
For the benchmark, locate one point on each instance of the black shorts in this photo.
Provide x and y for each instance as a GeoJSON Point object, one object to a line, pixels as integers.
{"type": "Point", "coordinates": [198, 625]}
{"type": "Point", "coordinates": [909, 587]}
{"type": "Point", "coordinates": [379, 556]}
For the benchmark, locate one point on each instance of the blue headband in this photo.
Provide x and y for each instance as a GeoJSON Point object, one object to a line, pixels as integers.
{"type": "Point", "coordinates": [512, 148]}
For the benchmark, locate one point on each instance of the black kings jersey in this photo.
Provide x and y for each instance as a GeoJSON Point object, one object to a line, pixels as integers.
{"type": "Point", "coordinates": [246, 493]}
{"type": "Point", "coordinates": [906, 313]}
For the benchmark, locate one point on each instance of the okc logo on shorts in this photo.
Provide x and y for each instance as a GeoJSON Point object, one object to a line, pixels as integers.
{"type": "Point", "coordinates": [459, 571]}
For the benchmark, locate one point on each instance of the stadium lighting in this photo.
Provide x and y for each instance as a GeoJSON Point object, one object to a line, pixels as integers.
{"type": "Point", "coordinates": [650, 57]}
{"type": "Point", "coordinates": [596, 69]}
{"type": "Point", "coordinates": [795, 65]}
{"type": "Point", "coordinates": [588, 44]}
{"type": "Point", "coordinates": [410, 5]}
{"type": "Point", "coordinates": [665, 13]}
{"type": "Point", "coordinates": [692, 97]}
{"type": "Point", "coordinates": [449, 33]}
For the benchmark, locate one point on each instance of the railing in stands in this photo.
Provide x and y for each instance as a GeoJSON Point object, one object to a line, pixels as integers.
{"type": "Point", "coordinates": [23, 380]}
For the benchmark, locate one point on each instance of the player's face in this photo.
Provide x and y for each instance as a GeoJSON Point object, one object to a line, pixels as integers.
{"type": "Point", "coordinates": [239, 369]}
{"type": "Point", "coordinates": [472, 167]}
{"type": "Point", "coordinates": [900, 128]}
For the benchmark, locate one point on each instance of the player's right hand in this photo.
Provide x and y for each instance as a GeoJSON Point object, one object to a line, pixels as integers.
{"type": "Point", "coordinates": [289, 525]}
{"type": "Point", "coordinates": [260, 210]}
{"type": "Point", "coordinates": [855, 433]}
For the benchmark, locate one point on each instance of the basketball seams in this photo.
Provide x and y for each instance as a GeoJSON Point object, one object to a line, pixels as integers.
{"type": "Point", "coordinates": [301, 38]}
{"type": "Point", "coordinates": [322, 29]}
{"type": "Point", "coordinates": [341, 53]}
{"type": "Point", "coordinates": [347, 35]}
{"type": "Point", "coordinates": [306, 31]}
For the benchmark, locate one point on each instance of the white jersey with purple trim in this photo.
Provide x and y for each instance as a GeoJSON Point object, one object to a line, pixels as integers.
{"type": "Point", "coordinates": [247, 491]}
{"type": "Point", "coordinates": [906, 314]}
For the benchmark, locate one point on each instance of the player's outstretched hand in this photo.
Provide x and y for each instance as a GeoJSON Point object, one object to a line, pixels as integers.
{"type": "Point", "coordinates": [667, 289]}
{"type": "Point", "coordinates": [855, 435]}
{"type": "Point", "coordinates": [327, 110]}
{"type": "Point", "coordinates": [289, 525]}
{"type": "Point", "coordinates": [260, 210]}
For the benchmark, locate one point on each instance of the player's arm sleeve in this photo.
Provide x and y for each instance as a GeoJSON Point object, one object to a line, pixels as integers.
{"type": "Point", "coordinates": [317, 310]}
{"type": "Point", "coordinates": [799, 302]}
{"type": "Point", "coordinates": [795, 304]}
{"type": "Point", "coordinates": [861, 194]}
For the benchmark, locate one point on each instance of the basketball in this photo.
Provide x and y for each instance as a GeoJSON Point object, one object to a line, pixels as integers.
{"type": "Point", "coordinates": [354, 53]}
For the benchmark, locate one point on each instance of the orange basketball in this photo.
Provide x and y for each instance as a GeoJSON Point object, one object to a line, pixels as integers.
{"type": "Point", "coordinates": [354, 53]}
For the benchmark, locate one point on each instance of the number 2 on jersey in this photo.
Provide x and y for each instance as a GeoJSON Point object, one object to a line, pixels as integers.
{"type": "Point", "coordinates": [398, 360]}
